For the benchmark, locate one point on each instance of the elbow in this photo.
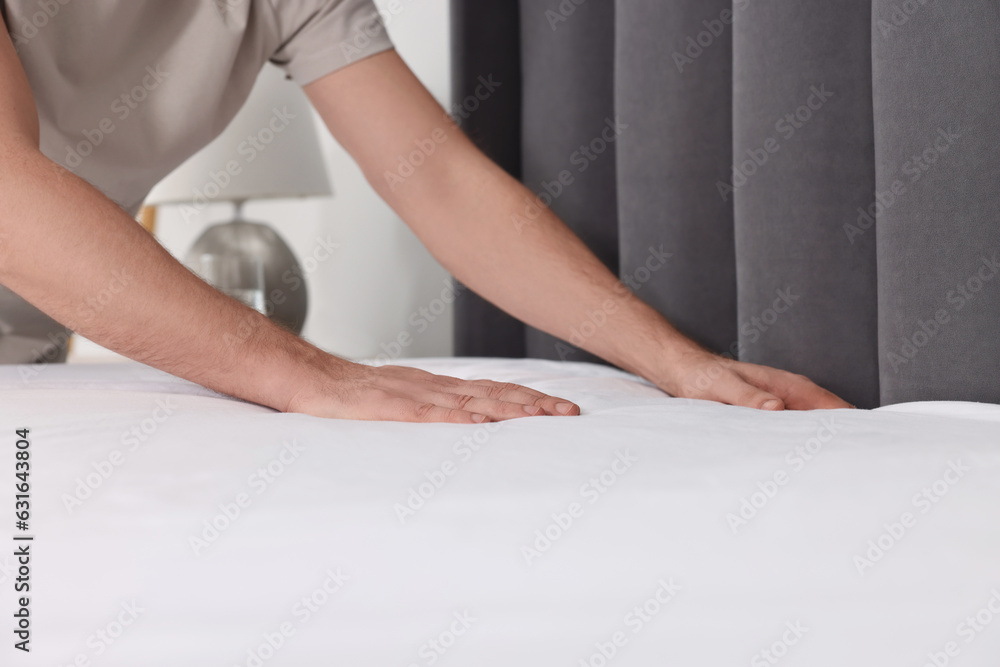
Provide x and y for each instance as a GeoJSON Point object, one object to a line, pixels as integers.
{"type": "Point", "coordinates": [20, 133]}
{"type": "Point", "coordinates": [23, 177]}
{"type": "Point", "coordinates": [15, 147]}
{"type": "Point", "coordinates": [23, 135]}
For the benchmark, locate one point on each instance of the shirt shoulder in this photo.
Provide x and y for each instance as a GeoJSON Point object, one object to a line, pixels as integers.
{"type": "Point", "coordinates": [320, 36]}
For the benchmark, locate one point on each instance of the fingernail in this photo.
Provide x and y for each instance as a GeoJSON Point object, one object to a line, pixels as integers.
{"type": "Point", "coordinates": [479, 419]}
{"type": "Point", "coordinates": [773, 404]}
{"type": "Point", "coordinates": [532, 410]}
{"type": "Point", "coordinates": [564, 408]}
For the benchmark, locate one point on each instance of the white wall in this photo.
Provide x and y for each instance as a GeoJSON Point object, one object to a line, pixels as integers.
{"type": "Point", "coordinates": [381, 275]}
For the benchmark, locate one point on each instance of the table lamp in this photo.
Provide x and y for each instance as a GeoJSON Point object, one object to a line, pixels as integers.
{"type": "Point", "coordinates": [270, 150]}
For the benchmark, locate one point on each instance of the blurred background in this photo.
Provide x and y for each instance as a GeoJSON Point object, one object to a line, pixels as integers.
{"type": "Point", "coordinates": [362, 298]}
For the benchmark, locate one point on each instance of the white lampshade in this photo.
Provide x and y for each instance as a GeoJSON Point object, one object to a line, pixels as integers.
{"type": "Point", "coordinates": [289, 165]}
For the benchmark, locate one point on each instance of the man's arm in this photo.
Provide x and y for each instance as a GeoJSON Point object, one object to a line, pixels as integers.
{"type": "Point", "coordinates": [469, 213]}
{"type": "Point", "coordinates": [62, 242]}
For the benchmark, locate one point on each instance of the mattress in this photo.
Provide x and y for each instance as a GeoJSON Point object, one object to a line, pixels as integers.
{"type": "Point", "coordinates": [174, 526]}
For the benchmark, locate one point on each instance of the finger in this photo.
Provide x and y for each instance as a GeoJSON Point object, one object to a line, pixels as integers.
{"type": "Point", "coordinates": [445, 391]}
{"type": "Point", "coordinates": [428, 387]}
{"type": "Point", "coordinates": [798, 391]}
{"type": "Point", "coordinates": [515, 393]}
{"type": "Point", "coordinates": [522, 401]}
{"type": "Point", "coordinates": [492, 408]}
{"type": "Point", "coordinates": [733, 389]}
{"type": "Point", "coordinates": [407, 410]}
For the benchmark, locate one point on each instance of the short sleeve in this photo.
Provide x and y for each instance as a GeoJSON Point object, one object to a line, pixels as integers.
{"type": "Point", "coordinates": [320, 36]}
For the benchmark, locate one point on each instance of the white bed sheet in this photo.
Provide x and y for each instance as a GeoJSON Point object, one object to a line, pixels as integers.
{"type": "Point", "coordinates": [334, 508]}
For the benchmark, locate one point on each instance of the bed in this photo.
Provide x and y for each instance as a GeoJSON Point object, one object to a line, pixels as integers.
{"type": "Point", "coordinates": [174, 526]}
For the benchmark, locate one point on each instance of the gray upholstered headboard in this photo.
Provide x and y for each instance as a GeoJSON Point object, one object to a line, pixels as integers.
{"type": "Point", "coordinates": [823, 174]}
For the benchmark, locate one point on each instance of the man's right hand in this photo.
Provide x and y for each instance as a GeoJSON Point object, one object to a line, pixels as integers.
{"type": "Point", "coordinates": [401, 393]}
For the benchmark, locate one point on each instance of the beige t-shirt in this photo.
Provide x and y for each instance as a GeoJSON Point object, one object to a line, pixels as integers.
{"type": "Point", "coordinates": [128, 89]}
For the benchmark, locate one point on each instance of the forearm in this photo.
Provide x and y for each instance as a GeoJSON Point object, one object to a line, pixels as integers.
{"type": "Point", "coordinates": [471, 216]}
{"type": "Point", "coordinates": [77, 256]}
{"type": "Point", "coordinates": [491, 233]}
